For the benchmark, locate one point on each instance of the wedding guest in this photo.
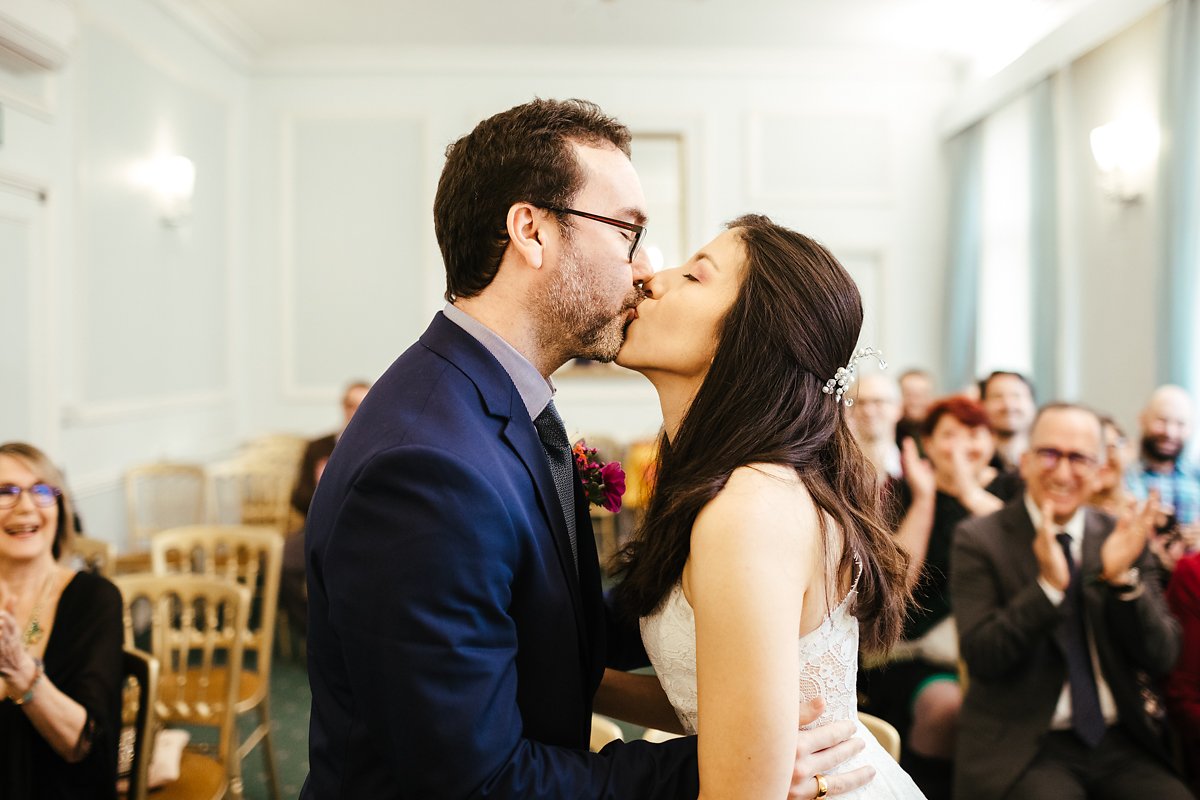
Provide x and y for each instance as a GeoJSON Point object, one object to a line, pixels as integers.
{"type": "Point", "coordinates": [293, 594]}
{"type": "Point", "coordinates": [318, 450]}
{"type": "Point", "coordinates": [60, 644]}
{"type": "Point", "coordinates": [1064, 635]}
{"type": "Point", "coordinates": [873, 419]}
{"type": "Point", "coordinates": [917, 690]}
{"type": "Point", "coordinates": [1008, 399]}
{"type": "Point", "coordinates": [916, 395]}
{"type": "Point", "coordinates": [1110, 494]}
{"type": "Point", "coordinates": [1166, 424]}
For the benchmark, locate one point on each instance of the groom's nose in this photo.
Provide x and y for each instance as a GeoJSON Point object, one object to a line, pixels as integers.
{"type": "Point", "coordinates": [642, 269]}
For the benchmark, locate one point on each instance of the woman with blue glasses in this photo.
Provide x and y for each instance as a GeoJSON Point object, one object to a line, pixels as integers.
{"type": "Point", "coordinates": [60, 644]}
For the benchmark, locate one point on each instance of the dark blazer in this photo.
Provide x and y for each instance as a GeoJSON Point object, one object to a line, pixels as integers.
{"type": "Point", "coordinates": [453, 649]}
{"type": "Point", "coordinates": [1007, 630]}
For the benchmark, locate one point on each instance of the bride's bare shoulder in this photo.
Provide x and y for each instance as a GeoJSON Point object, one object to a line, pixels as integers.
{"type": "Point", "coordinates": [759, 501]}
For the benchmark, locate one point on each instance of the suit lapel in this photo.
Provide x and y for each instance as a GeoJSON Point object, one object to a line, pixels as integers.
{"type": "Point", "coordinates": [1016, 521]}
{"type": "Point", "coordinates": [502, 400]}
{"type": "Point", "coordinates": [1027, 563]}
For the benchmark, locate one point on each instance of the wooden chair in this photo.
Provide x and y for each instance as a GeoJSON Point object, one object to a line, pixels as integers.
{"type": "Point", "coordinates": [657, 736]}
{"type": "Point", "coordinates": [253, 558]}
{"type": "Point", "coordinates": [604, 730]}
{"type": "Point", "coordinates": [285, 449]}
{"type": "Point", "coordinates": [243, 492]}
{"type": "Point", "coordinates": [95, 555]}
{"type": "Point", "coordinates": [161, 496]}
{"type": "Point", "coordinates": [883, 731]}
{"type": "Point", "coordinates": [197, 624]}
{"type": "Point", "coordinates": [141, 693]}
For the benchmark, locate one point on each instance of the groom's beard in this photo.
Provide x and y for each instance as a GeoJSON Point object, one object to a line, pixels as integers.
{"type": "Point", "coordinates": [572, 315]}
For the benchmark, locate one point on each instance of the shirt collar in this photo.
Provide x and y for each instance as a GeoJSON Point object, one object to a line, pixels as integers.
{"type": "Point", "coordinates": [1073, 527]}
{"type": "Point", "coordinates": [536, 392]}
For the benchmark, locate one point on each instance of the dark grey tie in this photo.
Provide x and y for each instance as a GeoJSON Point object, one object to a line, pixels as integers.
{"type": "Point", "coordinates": [1086, 717]}
{"type": "Point", "coordinates": [558, 452]}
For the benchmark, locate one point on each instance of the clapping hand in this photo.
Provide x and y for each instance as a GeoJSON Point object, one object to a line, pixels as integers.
{"type": "Point", "coordinates": [12, 650]}
{"type": "Point", "coordinates": [1134, 531]}
{"type": "Point", "coordinates": [1052, 561]}
{"type": "Point", "coordinates": [918, 473]}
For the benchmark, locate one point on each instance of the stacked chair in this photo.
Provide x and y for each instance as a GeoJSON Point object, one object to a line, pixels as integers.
{"type": "Point", "coordinates": [161, 496]}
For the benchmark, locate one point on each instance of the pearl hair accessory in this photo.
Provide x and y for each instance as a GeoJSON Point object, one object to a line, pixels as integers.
{"type": "Point", "coordinates": [840, 382]}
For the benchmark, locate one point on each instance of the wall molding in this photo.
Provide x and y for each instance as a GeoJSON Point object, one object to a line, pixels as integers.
{"type": "Point", "coordinates": [79, 414]}
{"type": "Point", "coordinates": [25, 185]}
{"type": "Point", "coordinates": [40, 32]}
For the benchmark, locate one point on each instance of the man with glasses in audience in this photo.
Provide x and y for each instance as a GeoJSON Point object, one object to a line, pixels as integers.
{"type": "Point", "coordinates": [1063, 635]}
{"type": "Point", "coordinates": [873, 419]}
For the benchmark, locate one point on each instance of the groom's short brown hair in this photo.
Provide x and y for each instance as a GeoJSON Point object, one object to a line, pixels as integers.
{"type": "Point", "coordinates": [520, 155]}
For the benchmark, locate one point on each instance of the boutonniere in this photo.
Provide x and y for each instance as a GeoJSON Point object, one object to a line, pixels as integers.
{"type": "Point", "coordinates": [604, 482]}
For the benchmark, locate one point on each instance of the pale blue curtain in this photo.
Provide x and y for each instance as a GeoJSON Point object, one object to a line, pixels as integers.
{"type": "Point", "coordinates": [965, 159]}
{"type": "Point", "coordinates": [1043, 245]}
{"type": "Point", "coordinates": [1178, 328]}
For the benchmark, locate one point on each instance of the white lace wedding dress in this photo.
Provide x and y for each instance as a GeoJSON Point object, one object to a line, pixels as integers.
{"type": "Point", "coordinates": [828, 668]}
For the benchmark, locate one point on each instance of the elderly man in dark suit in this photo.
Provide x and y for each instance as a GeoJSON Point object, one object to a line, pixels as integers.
{"type": "Point", "coordinates": [1063, 634]}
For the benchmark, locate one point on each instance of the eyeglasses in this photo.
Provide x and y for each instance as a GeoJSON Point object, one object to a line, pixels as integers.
{"type": "Point", "coordinates": [43, 495]}
{"type": "Point", "coordinates": [638, 231]}
{"type": "Point", "coordinates": [1049, 457]}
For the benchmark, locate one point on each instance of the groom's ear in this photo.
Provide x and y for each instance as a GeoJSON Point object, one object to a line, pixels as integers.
{"type": "Point", "coordinates": [525, 224]}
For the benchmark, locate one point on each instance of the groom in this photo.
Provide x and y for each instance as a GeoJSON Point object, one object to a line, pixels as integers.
{"type": "Point", "coordinates": [457, 630]}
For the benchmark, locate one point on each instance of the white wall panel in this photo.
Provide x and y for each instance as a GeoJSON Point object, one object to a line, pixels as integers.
{"type": "Point", "coordinates": [137, 341]}
{"type": "Point", "coordinates": [354, 229]}
{"type": "Point", "coordinates": [839, 158]}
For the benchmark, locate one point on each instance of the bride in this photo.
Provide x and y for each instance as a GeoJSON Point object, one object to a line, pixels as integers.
{"type": "Point", "coordinates": [762, 549]}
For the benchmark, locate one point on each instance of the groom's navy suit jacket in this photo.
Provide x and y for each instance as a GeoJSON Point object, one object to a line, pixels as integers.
{"type": "Point", "coordinates": [453, 649]}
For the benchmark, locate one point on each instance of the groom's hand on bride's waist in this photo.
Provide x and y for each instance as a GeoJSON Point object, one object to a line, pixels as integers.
{"type": "Point", "coordinates": [821, 750]}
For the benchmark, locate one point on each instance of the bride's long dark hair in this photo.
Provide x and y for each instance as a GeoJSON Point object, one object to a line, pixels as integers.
{"type": "Point", "coordinates": [796, 319]}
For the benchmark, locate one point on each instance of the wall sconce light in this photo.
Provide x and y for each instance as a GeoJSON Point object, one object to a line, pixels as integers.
{"type": "Point", "coordinates": [172, 179]}
{"type": "Point", "coordinates": [1125, 150]}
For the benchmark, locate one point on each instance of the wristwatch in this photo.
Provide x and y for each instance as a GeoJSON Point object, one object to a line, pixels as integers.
{"type": "Point", "coordinates": [1128, 581]}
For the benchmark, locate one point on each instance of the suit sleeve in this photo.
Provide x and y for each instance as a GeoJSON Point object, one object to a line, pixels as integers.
{"type": "Point", "coordinates": [419, 578]}
{"type": "Point", "coordinates": [995, 636]}
{"type": "Point", "coordinates": [1144, 628]}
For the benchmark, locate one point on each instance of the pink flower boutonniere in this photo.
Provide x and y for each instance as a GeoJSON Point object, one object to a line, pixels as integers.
{"type": "Point", "coordinates": [604, 482]}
